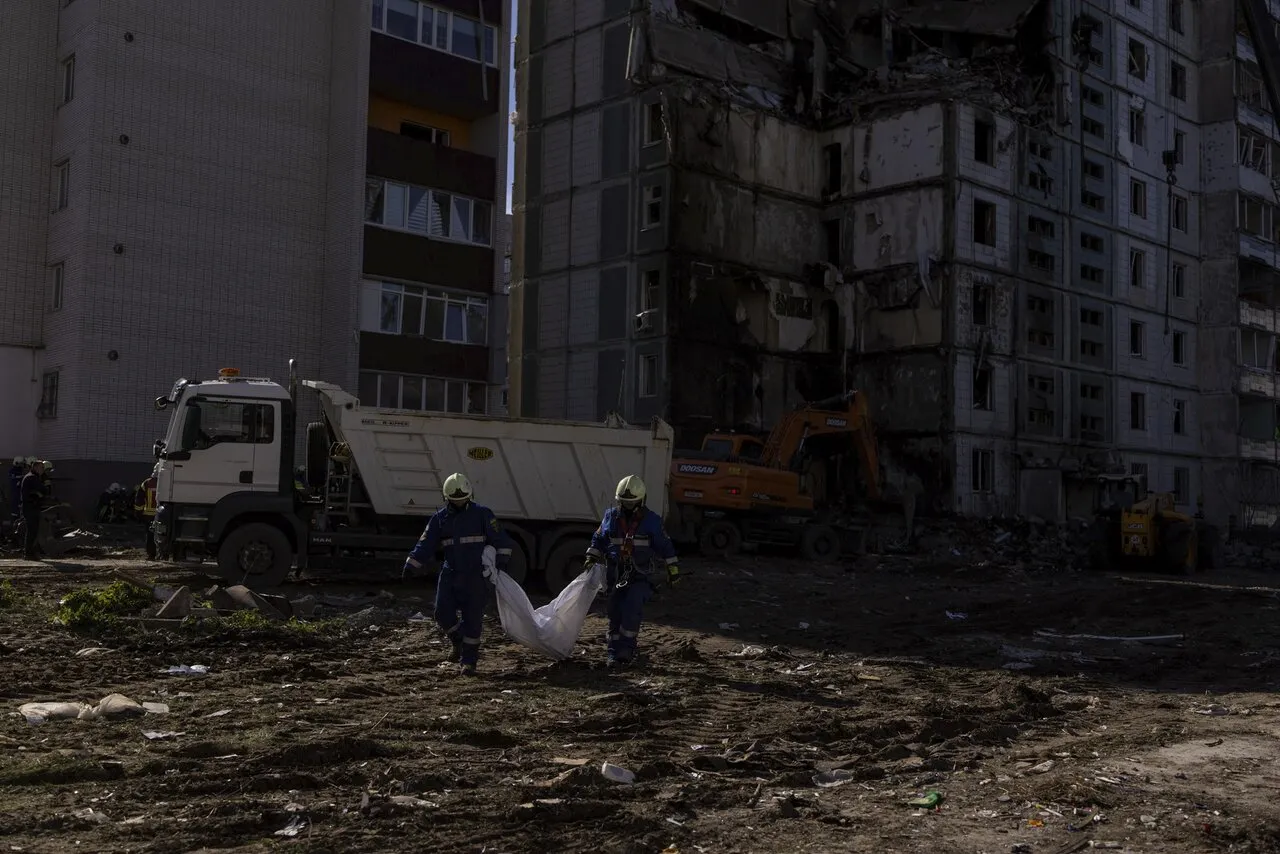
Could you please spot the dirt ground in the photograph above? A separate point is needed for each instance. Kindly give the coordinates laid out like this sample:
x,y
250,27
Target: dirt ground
x,y
781,708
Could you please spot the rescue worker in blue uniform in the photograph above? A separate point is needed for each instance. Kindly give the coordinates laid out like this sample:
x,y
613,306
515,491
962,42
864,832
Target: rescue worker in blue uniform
x,y
461,529
633,544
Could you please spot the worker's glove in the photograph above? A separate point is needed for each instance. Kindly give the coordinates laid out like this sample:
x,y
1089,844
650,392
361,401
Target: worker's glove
x,y
488,560
673,574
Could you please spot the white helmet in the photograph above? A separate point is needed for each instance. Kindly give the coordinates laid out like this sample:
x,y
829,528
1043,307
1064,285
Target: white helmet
x,y
630,492
19,461
115,487
457,489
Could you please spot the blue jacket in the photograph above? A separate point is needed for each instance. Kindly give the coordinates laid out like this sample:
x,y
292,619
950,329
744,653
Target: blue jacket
x,y
650,545
33,489
462,536
16,473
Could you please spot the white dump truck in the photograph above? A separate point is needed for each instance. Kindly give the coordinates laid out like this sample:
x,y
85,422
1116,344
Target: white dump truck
x,y
228,486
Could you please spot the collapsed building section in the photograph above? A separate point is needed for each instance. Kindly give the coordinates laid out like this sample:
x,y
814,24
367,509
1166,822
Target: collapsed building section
x,y
761,204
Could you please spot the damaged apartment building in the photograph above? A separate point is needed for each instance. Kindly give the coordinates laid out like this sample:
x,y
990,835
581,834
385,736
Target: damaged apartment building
x,y
1013,225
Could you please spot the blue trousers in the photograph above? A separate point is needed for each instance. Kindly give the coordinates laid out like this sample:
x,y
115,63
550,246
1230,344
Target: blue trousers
x,y
625,611
460,599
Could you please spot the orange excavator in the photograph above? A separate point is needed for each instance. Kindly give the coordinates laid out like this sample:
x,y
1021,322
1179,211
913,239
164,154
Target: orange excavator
x,y
787,489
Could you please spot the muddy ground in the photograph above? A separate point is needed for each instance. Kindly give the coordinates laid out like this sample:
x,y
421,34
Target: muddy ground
x,y
781,708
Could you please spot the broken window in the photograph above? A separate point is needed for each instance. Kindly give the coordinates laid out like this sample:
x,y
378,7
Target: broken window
x,y
1179,281
1039,417
651,290
1138,127
1040,384
1253,216
1090,273
1179,348
1091,242
1179,212
1175,16
1249,86
1093,96
1090,317
1089,391
1091,349
1180,417
1137,411
983,475
1040,338
1038,180
1136,4
984,142
1093,169
1092,127
1036,148
831,235
1041,260
1137,59
1137,269
980,305
832,178
1040,227
1091,427
1179,147
1178,81
1181,485
1137,338
982,388
647,382
1092,200
1138,198
1039,305
1138,469
653,205
654,124
1252,150
984,222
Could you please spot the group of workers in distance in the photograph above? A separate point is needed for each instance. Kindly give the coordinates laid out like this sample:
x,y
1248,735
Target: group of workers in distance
x,y
29,486
631,543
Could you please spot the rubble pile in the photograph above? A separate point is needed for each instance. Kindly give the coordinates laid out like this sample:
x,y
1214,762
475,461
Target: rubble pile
x,y
1031,544
1246,555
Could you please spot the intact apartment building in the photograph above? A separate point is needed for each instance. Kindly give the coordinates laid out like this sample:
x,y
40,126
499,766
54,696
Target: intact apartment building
x,y
187,188
1037,234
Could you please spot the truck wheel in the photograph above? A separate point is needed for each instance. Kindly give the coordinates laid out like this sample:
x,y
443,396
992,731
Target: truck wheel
x,y
565,564
256,555
720,539
819,543
317,454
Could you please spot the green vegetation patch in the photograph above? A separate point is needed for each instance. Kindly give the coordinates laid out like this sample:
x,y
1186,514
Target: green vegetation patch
x,y
8,596
243,625
97,610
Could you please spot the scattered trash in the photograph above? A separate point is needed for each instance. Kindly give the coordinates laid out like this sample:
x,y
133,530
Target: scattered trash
x,y
1045,633
1020,848
957,615
1035,822
930,801
1147,820
112,705
296,825
91,650
161,736
411,801
1043,768
804,625
617,774
187,670
831,779
219,713
748,652
1214,709
419,617
90,814
576,763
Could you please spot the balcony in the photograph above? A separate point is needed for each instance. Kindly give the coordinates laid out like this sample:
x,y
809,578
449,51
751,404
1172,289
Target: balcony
x,y
1257,381
409,354
1258,316
1259,449
432,79
403,158
413,257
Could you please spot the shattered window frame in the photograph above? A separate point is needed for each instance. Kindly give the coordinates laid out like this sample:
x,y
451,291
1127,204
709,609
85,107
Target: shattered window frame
x,y
1093,201
653,201
1091,349
647,381
1177,80
1040,182
1175,17
1038,148
1179,281
1090,273
1093,96
1040,416
1138,59
1248,84
1091,242
1090,391
1253,216
1179,213
983,381
1253,150
1137,411
1179,147
1091,424
1093,127
650,289
1090,317
1178,348
1137,269
1138,127
1137,339
982,472
1041,227
984,222
654,125
1093,169
984,131
1042,260
1179,417
1138,198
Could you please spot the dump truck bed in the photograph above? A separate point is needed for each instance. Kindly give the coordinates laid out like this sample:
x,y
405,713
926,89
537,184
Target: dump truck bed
x,y
522,469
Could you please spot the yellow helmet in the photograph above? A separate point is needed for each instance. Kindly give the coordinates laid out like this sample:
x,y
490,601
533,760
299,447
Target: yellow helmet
x,y
457,489
630,492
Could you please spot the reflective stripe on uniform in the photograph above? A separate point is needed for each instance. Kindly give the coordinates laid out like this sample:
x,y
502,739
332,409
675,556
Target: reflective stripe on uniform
x,y
413,562
466,541
448,541
627,634
672,561
472,641
613,636
506,552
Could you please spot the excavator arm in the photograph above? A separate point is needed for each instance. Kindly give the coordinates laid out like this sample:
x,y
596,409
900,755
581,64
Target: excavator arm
x,y
845,415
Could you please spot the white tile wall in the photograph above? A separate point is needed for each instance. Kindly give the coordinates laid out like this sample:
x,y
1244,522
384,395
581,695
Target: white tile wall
x,y
557,155
585,226
555,234
586,148
587,67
